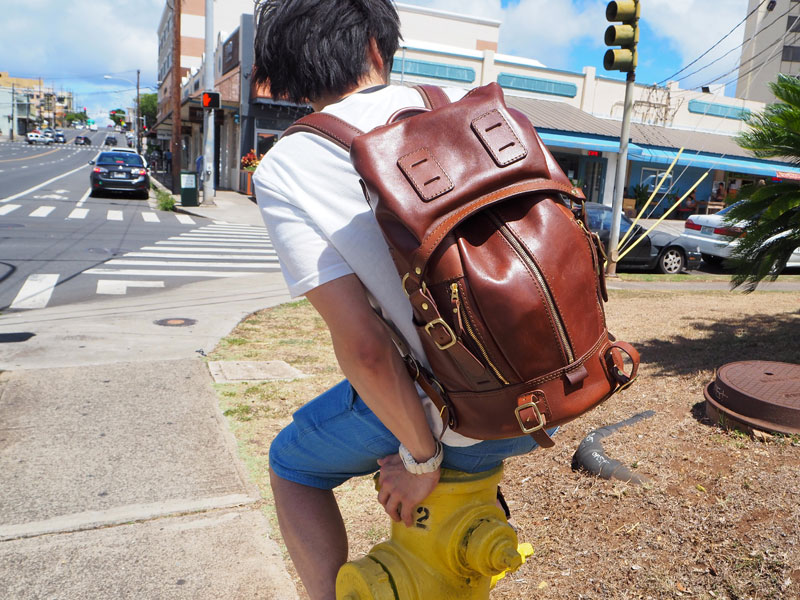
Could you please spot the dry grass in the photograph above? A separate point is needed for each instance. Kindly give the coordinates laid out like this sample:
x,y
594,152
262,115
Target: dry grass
x,y
720,518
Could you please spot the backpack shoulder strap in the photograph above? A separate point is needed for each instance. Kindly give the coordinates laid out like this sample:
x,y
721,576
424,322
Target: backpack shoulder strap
x,y
433,96
336,130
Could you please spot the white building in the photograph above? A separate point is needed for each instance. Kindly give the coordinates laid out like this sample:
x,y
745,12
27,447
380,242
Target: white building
x,y
772,46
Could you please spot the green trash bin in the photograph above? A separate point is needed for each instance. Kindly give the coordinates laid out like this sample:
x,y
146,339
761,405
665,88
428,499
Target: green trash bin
x,y
189,188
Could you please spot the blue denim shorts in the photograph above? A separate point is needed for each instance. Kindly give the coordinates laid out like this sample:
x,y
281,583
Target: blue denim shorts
x,y
336,437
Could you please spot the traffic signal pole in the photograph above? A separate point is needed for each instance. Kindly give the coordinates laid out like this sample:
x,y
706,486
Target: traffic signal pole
x,y
208,115
619,177
625,35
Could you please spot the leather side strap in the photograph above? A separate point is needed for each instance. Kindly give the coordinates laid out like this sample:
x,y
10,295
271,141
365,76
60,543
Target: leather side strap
x,y
433,96
617,366
332,128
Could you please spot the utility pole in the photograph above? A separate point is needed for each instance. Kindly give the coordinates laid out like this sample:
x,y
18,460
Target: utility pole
x,y
208,115
176,96
624,59
13,118
136,126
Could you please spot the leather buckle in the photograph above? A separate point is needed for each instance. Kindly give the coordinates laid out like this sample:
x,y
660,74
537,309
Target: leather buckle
x,y
536,410
440,321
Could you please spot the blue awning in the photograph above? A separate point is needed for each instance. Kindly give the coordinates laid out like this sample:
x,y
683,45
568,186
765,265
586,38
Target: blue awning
x,y
575,140
709,161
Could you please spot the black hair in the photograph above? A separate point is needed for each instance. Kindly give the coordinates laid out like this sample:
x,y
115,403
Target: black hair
x,y
306,49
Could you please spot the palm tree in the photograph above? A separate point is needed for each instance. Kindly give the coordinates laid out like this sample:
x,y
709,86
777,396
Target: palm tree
x,y
771,210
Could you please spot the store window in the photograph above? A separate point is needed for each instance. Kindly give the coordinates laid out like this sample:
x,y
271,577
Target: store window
x,y
264,141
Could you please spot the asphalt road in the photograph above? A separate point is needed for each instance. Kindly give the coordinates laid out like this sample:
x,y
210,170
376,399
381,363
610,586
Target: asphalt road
x,y
59,245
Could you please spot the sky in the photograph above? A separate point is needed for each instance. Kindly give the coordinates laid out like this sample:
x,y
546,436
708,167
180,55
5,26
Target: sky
x,y
80,41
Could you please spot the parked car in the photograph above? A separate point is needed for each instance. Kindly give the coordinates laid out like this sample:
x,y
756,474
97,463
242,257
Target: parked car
x,y
110,141
659,251
59,138
716,239
83,140
38,138
129,150
119,172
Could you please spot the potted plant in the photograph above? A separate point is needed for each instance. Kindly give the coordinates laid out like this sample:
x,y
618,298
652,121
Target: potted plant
x,y
249,163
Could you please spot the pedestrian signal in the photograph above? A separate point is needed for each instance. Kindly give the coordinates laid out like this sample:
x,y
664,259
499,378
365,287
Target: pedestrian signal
x,y
210,100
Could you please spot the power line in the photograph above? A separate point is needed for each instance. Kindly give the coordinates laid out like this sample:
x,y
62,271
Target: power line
x,y
722,39
752,37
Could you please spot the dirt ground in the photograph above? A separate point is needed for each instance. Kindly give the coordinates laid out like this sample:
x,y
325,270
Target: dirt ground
x,y
720,516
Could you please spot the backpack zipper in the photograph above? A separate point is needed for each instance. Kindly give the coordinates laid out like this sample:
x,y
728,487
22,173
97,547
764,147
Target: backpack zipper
x,y
534,269
454,298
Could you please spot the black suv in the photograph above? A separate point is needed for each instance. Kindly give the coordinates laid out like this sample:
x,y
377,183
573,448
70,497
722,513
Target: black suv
x,y
110,141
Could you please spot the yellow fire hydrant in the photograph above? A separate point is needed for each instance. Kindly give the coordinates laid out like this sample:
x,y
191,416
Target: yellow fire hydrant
x,y
459,542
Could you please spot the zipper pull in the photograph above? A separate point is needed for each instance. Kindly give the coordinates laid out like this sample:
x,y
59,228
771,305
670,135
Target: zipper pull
x,y
457,325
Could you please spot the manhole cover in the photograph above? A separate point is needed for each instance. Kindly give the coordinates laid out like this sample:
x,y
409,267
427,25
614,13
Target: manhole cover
x,y
175,322
760,394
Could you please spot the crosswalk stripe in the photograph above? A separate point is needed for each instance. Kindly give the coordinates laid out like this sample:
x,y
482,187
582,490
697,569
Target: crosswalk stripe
x,y
204,249
114,215
36,291
220,238
8,208
120,287
78,213
185,219
198,255
207,243
150,217
243,232
42,211
181,263
169,273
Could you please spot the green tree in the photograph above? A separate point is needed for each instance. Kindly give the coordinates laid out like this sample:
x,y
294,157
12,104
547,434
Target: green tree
x,y
72,117
148,108
771,211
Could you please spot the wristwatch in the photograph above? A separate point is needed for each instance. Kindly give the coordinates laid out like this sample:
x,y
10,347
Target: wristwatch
x,y
429,466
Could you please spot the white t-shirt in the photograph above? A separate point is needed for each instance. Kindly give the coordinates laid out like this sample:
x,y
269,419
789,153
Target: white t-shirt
x,y
321,225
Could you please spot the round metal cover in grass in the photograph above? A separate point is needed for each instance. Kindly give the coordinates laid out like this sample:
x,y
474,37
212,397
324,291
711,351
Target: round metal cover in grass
x,y
760,394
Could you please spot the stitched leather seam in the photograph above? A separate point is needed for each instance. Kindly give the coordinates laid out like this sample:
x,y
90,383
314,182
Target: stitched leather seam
x,y
541,297
434,238
416,183
512,159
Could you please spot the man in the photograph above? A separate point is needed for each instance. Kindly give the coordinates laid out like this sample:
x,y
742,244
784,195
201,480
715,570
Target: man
x,y
337,55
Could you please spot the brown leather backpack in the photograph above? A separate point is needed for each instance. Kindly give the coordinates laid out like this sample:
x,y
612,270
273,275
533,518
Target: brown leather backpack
x,y
490,239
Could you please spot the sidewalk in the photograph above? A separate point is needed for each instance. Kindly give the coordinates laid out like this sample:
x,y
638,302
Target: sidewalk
x,y
228,206
120,477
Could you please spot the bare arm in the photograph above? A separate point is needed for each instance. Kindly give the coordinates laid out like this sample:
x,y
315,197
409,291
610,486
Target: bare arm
x,y
373,366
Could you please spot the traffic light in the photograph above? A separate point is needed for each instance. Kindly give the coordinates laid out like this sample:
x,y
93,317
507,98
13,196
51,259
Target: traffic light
x,y
625,35
210,100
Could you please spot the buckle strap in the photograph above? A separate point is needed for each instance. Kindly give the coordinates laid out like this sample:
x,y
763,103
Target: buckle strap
x,y
532,417
616,363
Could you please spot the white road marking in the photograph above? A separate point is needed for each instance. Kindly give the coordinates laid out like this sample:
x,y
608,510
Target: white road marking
x,y
41,185
185,219
119,287
114,215
42,211
204,249
207,243
78,213
36,291
219,238
50,197
84,197
181,263
243,233
169,273
206,256
4,210
150,217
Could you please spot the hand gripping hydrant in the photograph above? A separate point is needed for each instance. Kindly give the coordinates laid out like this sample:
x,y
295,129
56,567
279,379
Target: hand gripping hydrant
x,y
459,546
